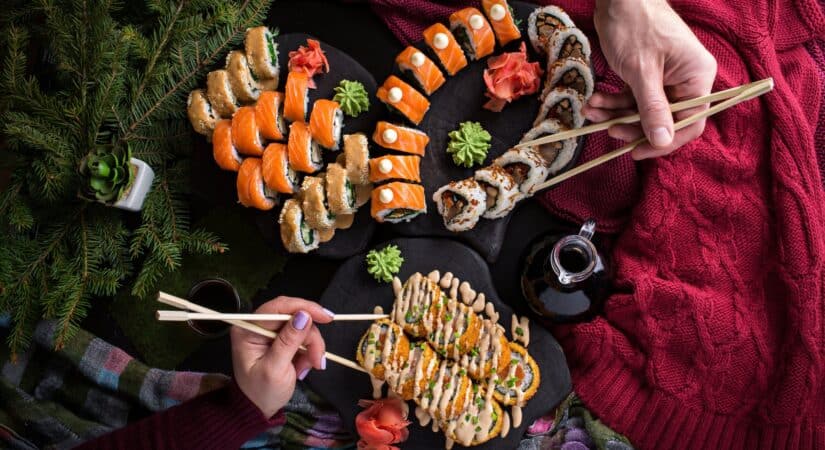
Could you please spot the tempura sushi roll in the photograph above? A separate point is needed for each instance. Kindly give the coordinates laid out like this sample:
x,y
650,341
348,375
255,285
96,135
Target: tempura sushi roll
x,y
502,21
245,133
473,33
219,92
563,104
395,167
411,381
421,69
314,203
296,234
252,191
446,49
262,53
461,204
541,24
341,195
413,305
356,158
223,150
403,139
200,112
571,73
269,112
304,153
502,191
325,123
404,99
491,355
240,77
296,97
568,42
522,379
557,155
278,175
398,202
481,422
448,393
453,329
382,348
526,166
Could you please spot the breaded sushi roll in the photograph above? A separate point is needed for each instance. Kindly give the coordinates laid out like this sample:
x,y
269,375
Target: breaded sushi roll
x,y
326,123
557,155
262,53
398,202
400,138
278,175
446,49
526,166
356,158
395,167
269,112
223,150
296,234
252,191
382,348
240,77
404,99
563,104
571,73
491,355
296,97
502,21
419,68
201,115
413,305
448,393
568,42
314,203
245,133
541,24
461,204
522,379
453,328
411,381
473,33
304,153
340,191
219,92
481,421
502,191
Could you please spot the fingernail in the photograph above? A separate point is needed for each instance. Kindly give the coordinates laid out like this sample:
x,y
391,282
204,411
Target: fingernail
x,y
660,137
303,374
300,320
329,313
323,363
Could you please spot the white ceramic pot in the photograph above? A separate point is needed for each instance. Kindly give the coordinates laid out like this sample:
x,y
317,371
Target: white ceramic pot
x,y
133,201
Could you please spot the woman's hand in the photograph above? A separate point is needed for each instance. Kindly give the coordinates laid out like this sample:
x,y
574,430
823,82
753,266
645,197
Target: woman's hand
x,y
649,46
266,370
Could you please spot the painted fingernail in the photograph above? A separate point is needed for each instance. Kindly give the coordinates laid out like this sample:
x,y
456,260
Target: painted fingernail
x,y
323,363
303,374
299,321
660,137
329,313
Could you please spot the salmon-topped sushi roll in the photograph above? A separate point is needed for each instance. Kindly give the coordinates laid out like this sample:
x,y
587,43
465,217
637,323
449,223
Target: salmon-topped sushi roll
x,y
383,348
304,153
403,139
445,47
415,64
325,123
398,202
252,192
270,115
394,167
403,98
473,33
278,175
296,97
245,132
502,21
224,151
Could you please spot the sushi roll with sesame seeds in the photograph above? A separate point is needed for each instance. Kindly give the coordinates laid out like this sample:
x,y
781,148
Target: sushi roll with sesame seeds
x,y
262,53
557,155
526,166
314,203
568,42
461,204
296,234
563,104
571,73
201,115
340,191
502,191
541,24
220,95
240,77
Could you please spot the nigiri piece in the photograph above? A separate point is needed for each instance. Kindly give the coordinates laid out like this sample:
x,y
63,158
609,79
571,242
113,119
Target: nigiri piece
x,y
296,97
421,69
473,33
304,153
501,18
245,132
278,175
397,202
445,47
402,97
403,139
325,123
270,115
394,167
224,151
252,192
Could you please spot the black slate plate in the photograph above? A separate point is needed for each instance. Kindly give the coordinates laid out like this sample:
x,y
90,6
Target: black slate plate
x,y
353,290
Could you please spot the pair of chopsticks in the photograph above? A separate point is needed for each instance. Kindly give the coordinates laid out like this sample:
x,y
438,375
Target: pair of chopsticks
x,y
198,312
727,98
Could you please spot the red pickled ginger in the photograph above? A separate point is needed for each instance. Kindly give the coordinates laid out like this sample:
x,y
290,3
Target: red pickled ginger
x,y
510,76
309,59
382,424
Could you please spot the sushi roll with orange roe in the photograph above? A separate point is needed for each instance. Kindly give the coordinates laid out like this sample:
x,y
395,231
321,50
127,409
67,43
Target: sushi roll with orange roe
x,y
473,33
502,21
223,150
404,99
245,133
415,64
444,46
252,191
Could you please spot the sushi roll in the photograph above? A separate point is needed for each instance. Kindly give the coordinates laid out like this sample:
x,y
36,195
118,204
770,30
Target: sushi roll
x,y
568,42
278,175
448,393
262,53
296,234
382,348
412,380
491,355
446,49
502,191
240,77
398,202
200,112
304,153
252,192
413,305
571,73
454,328
219,92
394,167
541,24
325,123
563,104
269,112
356,158
403,98
525,166
403,139
502,21
296,97
314,203
422,70
340,191
223,149
482,421
245,133
461,204
557,155
473,33
522,379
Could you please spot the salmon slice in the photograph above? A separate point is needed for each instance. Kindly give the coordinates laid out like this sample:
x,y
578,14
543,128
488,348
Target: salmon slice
x,y
223,150
473,33
245,134
276,171
422,69
303,153
501,18
269,115
325,123
295,97
444,45
403,98
393,167
403,139
397,197
250,185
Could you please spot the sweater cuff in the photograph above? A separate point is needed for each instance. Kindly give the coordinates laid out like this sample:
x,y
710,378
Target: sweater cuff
x,y
238,414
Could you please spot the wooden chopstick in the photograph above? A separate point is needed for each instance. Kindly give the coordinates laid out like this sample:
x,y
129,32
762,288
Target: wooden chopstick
x,y
178,302
182,316
633,118
754,90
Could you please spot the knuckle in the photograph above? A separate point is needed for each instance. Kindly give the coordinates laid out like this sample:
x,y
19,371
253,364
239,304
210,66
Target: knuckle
x,y
289,337
655,105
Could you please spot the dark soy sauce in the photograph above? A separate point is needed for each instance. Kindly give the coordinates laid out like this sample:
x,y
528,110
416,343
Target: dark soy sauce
x,y
573,258
217,295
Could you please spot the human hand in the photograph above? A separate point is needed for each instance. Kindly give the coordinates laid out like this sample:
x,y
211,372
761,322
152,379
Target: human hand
x,y
649,46
266,370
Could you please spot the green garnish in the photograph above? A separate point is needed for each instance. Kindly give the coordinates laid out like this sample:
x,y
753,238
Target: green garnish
x,y
513,362
512,382
474,351
352,97
462,372
475,388
385,263
351,194
494,416
469,144
478,429
519,331
516,20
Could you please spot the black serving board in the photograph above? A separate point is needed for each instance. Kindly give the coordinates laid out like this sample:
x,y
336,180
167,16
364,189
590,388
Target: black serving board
x,y
353,290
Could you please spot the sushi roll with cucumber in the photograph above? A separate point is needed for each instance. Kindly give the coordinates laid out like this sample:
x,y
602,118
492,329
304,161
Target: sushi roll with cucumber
x,y
262,53
304,153
502,20
568,42
252,191
541,24
382,348
296,234
563,104
269,112
356,158
201,115
245,132
341,195
326,123
526,166
398,202
223,149
220,95
402,98
419,68
314,203
557,155
473,33
296,97
278,175
571,73
522,379
461,204
502,191
240,77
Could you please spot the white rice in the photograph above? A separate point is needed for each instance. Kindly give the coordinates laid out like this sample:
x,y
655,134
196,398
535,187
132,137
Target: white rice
x,y
555,96
558,39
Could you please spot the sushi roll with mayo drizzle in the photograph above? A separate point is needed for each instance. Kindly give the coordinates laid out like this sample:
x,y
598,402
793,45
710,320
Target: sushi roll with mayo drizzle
x,y
341,194
314,203
413,304
383,347
522,379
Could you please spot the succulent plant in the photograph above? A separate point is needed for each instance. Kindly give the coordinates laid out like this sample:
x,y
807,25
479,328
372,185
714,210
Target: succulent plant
x,y
108,173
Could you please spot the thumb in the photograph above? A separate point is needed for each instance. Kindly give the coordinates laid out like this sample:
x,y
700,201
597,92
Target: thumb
x,y
289,340
654,108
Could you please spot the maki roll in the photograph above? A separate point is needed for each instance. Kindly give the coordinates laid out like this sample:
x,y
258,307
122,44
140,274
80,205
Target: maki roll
x,y
502,191
571,73
420,69
325,123
525,166
522,379
383,348
340,191
563,104
296,234
541,24
240,77
448,393
269,112
403,98
557,155
398,202
252,192
403,139
278,175
262,53
491,355
296,97
219,92
314,203
502,21
445,48
200,112
412,380
568,42
473,33
304,153
481,421
461,204
245,132
356,158
412,307
223,149
393,167
453,328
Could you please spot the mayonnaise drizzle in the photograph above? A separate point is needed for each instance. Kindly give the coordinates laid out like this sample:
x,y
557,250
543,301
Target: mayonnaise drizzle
x,y
520,329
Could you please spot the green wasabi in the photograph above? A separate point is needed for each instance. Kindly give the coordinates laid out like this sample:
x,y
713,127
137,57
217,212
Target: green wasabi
x,y
352,97
469,144
385,263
